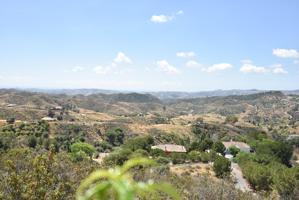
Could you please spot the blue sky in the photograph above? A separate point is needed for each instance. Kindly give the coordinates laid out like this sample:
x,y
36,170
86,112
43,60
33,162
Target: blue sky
x,y
186,45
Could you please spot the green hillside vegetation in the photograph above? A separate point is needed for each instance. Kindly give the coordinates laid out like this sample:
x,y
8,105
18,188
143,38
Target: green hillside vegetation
x,y
49,160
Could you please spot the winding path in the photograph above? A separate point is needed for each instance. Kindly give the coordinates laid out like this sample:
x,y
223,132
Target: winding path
x,y
241,182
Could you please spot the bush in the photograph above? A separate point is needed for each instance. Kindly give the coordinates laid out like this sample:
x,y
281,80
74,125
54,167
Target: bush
x,y
178,158
116,137
79,156
139,153
285,182
85,147
32,142
259,176
140,142
163,160
219,147
194,156
222,166
157,153
104,146
202,145
117,157
234,151
275,149
205,157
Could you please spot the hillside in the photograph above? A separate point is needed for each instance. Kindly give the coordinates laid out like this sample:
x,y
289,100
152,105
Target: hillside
x,y
273,112
125,125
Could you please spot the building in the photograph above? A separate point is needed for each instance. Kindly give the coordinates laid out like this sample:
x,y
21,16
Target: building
x,y
170,148
58,108
240,145
49,119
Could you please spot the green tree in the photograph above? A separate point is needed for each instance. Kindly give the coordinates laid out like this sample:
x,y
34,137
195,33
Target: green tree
x,y
178,158
140,142
219,147
117,157
157,153
80,147
194,156
285,182
32,142
116,137
234,150
202,145
222,166
275,149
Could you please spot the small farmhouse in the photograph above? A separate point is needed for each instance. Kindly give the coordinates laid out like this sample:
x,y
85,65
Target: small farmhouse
x,y
49,119
240,145
57,108
170,148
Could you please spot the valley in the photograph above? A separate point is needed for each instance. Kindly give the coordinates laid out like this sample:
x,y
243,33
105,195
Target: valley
x,y
103,130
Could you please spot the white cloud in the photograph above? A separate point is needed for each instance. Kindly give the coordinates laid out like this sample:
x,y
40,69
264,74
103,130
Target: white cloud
x,y
278,69
164,66
165,18
249,68
185,54
122,58
193,64
286,53
217,67
102,70
161,18
77,69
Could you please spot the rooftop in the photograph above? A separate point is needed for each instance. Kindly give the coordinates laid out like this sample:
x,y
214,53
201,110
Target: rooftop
x,y
241,145
170,148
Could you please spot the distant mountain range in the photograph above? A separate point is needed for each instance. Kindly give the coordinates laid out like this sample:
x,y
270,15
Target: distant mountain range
x,y
163,95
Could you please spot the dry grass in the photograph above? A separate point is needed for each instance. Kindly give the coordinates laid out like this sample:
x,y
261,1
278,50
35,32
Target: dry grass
x,y
89,115
195,169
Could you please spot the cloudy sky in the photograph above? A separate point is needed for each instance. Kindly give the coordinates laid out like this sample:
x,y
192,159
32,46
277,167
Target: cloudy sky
x,y
185,45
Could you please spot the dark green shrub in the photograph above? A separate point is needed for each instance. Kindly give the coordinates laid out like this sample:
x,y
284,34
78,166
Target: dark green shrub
x,y
32,141
157,153
194,156
178,158
140,142
85,147
219,147
163,160
117,157
222,166
234,151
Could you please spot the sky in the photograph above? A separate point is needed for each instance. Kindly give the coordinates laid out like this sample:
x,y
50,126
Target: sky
x,y
150,45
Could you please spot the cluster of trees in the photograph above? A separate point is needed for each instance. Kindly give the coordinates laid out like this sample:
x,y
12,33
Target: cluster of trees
x,y
29,174
140,146
269,168
35,165
30,135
